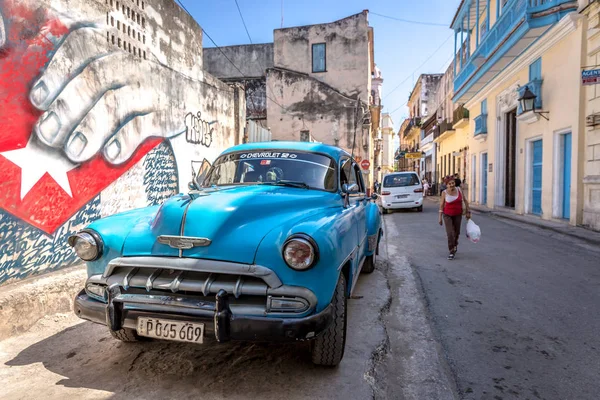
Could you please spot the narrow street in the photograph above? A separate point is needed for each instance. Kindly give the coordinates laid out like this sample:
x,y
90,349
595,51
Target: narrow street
x,y
516,313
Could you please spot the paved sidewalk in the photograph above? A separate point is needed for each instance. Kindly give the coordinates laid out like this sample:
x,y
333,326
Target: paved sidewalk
x,y
578,232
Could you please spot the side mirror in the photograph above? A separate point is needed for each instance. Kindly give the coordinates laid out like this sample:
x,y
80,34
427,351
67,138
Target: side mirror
x,y
374,196
192,186
350,188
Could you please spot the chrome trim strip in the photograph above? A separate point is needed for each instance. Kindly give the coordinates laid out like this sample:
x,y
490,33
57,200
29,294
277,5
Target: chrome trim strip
x,y
128,277
174,286
151,278
182,227
350,256
206,287
195,264
238,285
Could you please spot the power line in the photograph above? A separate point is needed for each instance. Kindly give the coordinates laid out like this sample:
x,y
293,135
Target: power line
x,y
408,21
444,66
243,22
422,64
225,55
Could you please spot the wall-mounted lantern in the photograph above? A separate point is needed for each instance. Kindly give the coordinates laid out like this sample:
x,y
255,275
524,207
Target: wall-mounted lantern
x,y
527,101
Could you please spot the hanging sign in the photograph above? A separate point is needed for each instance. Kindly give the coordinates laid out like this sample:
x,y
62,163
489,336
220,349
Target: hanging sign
x,y
590,77
414,155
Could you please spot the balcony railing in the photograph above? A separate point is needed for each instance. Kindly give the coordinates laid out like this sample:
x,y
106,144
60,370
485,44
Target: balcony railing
x,y
517,18
414,122
536,88
481,124
459,114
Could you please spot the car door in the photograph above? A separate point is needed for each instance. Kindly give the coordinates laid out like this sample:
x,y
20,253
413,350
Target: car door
x,y
350,213
361,213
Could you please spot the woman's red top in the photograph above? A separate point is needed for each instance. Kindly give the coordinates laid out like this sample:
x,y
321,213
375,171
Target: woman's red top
x,y
453,208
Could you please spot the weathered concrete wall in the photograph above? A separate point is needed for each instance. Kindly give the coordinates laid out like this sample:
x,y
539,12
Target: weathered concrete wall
x,y
103,108
251,60
302,103
348,66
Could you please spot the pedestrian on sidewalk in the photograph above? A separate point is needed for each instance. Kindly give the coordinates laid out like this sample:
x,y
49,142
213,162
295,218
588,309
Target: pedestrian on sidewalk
x,y
451,212
425,188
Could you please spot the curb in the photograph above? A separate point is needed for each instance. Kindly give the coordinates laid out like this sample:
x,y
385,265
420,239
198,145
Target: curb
x,y
23,303
561,230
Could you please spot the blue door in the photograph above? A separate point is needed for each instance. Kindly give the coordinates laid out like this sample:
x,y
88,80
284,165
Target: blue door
x,y
484,174
566,211
536,187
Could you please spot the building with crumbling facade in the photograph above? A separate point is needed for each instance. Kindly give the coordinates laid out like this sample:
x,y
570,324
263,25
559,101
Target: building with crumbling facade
x,y
320,84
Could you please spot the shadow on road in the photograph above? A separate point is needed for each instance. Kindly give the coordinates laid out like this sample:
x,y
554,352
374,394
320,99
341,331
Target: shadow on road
x,y
88,357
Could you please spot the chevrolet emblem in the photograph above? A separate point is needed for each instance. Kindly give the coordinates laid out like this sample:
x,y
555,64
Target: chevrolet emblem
x,y
183,242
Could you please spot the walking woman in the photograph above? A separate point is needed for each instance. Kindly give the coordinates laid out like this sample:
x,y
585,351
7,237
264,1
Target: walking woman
x,y
451,211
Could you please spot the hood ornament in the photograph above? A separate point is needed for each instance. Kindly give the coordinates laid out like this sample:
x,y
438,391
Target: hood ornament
x,y
183,242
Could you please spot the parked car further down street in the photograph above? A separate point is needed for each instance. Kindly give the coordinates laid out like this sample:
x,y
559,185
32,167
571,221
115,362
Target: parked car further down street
x,y
267,246
401,190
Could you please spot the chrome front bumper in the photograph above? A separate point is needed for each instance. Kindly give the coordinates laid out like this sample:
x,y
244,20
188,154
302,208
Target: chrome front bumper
x,y
217,318
234,301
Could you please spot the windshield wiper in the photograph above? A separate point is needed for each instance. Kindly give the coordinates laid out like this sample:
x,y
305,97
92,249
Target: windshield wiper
x,y
283,182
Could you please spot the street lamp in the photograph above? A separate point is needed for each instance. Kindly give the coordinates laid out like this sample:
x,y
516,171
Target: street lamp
x,y
527,101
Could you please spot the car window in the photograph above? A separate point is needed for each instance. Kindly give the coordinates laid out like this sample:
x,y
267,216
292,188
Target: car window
x,y
400,180
316,170
358,178
347,174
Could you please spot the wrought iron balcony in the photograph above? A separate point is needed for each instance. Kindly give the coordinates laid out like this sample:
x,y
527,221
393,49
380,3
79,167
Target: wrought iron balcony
x,y
536,88
481,124
520,23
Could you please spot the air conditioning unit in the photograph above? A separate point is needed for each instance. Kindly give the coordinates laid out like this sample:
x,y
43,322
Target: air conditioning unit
x,y
592,119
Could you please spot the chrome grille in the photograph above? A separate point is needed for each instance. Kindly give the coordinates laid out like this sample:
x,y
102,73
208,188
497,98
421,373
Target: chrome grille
x,y
177,281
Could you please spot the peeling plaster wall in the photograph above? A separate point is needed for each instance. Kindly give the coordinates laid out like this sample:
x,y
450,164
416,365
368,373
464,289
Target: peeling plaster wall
x,y
347,53
310,105
103,108
253,60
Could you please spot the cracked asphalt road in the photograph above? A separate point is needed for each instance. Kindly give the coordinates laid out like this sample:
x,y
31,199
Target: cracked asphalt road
x,y
516,314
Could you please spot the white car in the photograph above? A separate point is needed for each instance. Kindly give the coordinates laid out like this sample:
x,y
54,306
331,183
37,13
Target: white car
x,y
401,190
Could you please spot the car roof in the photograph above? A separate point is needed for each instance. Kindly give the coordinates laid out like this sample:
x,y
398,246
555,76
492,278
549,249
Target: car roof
x,y
313,147
401,173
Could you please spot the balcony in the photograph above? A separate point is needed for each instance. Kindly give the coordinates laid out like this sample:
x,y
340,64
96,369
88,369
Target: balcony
x,y
481,126
520,23
413,123
461,117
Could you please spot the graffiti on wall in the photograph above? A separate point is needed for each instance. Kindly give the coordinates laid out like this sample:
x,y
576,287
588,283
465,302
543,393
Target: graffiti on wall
x,y
199,131
79,113
160,174
24,250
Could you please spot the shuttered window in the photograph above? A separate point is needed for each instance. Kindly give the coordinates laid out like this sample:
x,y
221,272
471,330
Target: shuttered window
x,y
318,57
535,70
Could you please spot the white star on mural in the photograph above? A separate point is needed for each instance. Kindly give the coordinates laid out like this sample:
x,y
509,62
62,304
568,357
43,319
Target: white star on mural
x,y
35,160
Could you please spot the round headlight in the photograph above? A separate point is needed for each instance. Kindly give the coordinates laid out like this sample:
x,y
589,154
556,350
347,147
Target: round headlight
x,y
86,246
299,253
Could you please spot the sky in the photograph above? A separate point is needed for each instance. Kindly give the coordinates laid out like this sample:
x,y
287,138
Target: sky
x,y
403,50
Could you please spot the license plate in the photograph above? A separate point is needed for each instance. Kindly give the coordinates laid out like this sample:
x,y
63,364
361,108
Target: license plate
x,y
170,330
402,196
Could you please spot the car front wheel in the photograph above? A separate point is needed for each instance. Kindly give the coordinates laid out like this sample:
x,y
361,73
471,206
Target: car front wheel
x,y
328,347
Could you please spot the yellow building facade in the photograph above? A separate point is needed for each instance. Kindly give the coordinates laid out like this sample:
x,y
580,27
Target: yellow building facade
x,y
525,159
591,161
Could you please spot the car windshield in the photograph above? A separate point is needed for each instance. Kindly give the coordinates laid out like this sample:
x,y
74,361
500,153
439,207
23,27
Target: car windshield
x,y
400,180
291,168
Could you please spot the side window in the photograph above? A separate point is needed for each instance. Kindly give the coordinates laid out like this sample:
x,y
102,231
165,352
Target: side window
x,y
358,178
346,174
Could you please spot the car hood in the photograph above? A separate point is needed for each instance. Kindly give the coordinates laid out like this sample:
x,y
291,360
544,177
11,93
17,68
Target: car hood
x,y
234,219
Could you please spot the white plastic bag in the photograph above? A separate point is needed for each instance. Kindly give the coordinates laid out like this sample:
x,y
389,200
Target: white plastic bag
x,y
473,231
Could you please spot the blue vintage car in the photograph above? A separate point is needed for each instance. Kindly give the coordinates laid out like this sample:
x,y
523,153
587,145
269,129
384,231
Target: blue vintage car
x,y
267,246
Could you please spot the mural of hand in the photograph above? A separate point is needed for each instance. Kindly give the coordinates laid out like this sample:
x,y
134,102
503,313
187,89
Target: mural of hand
x,y
98,98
